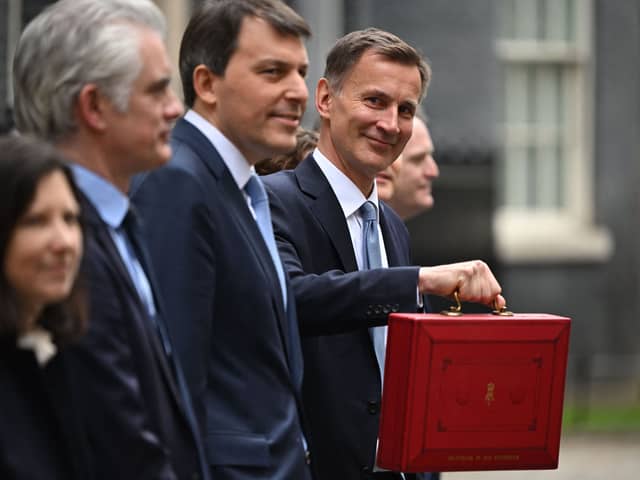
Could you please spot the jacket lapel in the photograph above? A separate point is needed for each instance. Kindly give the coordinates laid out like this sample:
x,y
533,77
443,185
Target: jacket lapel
x,y
102,237
241,216
391,239
324,205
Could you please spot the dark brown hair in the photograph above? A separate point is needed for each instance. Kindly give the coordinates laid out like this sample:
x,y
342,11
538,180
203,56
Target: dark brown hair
x,y
211,36
349,49
24,162
306,141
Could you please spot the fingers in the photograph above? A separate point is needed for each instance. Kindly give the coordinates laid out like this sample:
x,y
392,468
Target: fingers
x,y
473,281
499,302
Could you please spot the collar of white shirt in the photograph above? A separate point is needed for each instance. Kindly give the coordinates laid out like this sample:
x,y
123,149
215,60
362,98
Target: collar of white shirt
x,y
348,194
235,161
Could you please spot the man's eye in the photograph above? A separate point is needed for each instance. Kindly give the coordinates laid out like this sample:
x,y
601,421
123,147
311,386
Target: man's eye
x,y
406,110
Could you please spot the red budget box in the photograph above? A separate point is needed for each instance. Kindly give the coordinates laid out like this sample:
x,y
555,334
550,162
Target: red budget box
x,y
475,392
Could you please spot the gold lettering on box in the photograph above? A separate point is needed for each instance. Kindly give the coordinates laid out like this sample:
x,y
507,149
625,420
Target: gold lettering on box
x,y
506,457
489,396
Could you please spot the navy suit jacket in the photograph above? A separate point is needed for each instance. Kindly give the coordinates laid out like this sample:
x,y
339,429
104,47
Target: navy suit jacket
x,y
239,347
40,431
137,420
336,305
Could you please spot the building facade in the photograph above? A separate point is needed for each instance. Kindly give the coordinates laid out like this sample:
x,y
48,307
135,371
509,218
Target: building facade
x,y
534,110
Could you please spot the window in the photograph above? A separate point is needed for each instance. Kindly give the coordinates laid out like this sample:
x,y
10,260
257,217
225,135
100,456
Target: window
x,y
545,187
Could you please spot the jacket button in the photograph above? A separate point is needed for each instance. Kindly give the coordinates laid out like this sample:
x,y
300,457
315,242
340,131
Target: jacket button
x,y
386,310
365,473
372,407
195,476
307,457
377,310
394,308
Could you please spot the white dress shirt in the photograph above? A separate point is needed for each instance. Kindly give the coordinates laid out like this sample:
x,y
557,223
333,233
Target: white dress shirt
x,y
235,161
351,199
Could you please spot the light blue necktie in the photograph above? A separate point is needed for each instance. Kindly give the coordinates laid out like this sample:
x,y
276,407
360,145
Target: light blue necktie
x,y
372,258
260,205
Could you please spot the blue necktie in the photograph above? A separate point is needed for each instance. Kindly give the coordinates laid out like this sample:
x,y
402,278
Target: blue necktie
x,y
131,227
260,205
372,258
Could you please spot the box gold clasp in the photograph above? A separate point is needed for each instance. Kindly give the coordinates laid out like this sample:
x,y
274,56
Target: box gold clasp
x,y
454,310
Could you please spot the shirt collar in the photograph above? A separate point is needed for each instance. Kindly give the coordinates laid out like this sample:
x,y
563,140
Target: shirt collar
x,y
112,205
239,167
348,194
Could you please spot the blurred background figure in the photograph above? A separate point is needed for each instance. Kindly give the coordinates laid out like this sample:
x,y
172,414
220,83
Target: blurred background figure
x,y
306,141
415,170
112,117
386,180
41,311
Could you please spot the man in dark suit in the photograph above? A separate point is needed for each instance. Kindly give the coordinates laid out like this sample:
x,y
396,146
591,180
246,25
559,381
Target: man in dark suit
x,y
93,77
347,253
242,65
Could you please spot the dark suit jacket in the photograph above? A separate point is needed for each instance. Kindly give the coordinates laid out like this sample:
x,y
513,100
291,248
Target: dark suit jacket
x,y
239,348
137,423
40,432
336,304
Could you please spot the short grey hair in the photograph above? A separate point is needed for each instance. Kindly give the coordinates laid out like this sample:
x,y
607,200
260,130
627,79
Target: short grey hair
x,y
73,43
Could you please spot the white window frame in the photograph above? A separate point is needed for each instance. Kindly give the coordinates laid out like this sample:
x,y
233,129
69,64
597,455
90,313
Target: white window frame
x,y
568,234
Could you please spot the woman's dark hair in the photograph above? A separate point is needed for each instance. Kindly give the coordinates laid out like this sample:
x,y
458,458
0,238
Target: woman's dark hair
x,y
24,162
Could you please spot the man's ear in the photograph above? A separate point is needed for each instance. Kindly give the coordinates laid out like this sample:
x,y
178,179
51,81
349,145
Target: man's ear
x,y
324,97
205,84
91,107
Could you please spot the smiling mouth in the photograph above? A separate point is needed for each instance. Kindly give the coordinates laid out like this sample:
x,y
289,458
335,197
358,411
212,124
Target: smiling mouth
x,y
292,117
379,142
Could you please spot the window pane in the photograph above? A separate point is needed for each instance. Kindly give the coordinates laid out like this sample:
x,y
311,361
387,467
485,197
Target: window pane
x,y
516,95
557,21
515,177
543,20
525,19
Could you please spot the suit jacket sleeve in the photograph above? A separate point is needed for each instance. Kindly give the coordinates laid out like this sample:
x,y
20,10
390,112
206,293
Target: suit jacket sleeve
x,y
331,299
186,276
111,398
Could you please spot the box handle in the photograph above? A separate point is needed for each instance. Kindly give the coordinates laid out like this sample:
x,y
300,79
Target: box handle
x,y
456,310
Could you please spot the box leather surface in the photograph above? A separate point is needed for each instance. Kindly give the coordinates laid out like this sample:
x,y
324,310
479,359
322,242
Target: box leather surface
x,y
476,392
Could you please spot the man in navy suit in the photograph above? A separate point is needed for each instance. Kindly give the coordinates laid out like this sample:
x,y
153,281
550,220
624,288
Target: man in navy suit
x,y
233,320
371,89
92,76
